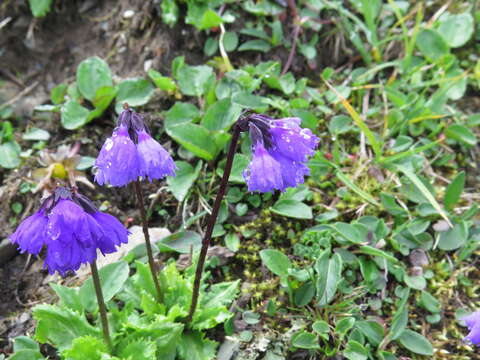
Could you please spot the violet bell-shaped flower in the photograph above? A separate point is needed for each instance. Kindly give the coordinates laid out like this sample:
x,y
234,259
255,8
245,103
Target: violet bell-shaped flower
x,y
473,324
71,229
280,150
131,153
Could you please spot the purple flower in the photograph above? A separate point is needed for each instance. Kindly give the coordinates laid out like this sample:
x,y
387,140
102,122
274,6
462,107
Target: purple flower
x,y
280,150
155,161
71,229
118,162
131,153
473,324
264,172
30,234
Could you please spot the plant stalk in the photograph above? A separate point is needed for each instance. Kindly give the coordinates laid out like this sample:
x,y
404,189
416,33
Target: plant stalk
x,y
151,261
101,304
211,221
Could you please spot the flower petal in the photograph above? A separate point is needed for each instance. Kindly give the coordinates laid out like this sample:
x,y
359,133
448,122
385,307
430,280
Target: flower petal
x,y
155,161
117,162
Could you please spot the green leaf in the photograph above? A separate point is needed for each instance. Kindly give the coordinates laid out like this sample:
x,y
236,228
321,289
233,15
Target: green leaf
x,y
196,139
400,319
36,134
417,282
454,190
431,44
305,340
9,155
429,302
355,351
342,177
372,330
210,19
248,100
134,92
193,79
169,12
208,318
69,297
221,294
230,41
193,346
284,83
292,208
141,349
162,82
221,115
255,45
163,332
74,115
86,347
60,326
240,163
357,119
40,8
112,278
26,354
453,238
329,276
320,327
103,98
180,242
24,343
232,242
57,94
344,325
424,190
184,178
457,29
349,232
416,343
92,74
276,261
377,252
304,294
461,134
180,113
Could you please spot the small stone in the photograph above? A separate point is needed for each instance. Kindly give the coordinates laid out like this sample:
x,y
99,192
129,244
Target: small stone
x,y
128,14
147,65
441,225
418,257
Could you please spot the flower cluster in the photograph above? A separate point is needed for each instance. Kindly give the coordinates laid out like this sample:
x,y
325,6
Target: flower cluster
x,y
280,150
71,229
132,153
473,324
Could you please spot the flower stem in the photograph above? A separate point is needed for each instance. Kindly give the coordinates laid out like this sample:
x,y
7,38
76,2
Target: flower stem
x,y
151,261
211,221
101,304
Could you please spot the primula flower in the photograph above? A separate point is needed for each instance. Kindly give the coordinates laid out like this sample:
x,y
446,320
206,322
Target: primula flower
x,y
131,153
473,324
155,161
71,229
280,150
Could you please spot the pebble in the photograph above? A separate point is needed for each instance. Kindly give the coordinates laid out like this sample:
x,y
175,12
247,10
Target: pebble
x,y
128,14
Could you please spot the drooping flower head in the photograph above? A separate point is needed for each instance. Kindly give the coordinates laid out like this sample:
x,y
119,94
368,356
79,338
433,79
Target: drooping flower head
x,y
473,324
72,229
280,150
131,153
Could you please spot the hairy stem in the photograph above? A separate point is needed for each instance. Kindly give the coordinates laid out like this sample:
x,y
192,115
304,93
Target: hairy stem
x,y
151,261
101,304
211,222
